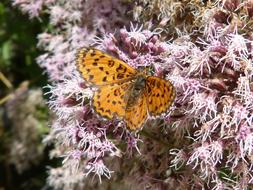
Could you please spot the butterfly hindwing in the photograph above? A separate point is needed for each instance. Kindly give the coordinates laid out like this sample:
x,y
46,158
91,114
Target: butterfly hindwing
x,y
109,100
160,95
136,115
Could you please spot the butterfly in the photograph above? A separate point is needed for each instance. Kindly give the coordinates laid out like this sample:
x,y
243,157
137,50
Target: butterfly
x,y
123,91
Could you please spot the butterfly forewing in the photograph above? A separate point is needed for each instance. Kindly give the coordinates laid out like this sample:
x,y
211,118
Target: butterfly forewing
x,y
99,68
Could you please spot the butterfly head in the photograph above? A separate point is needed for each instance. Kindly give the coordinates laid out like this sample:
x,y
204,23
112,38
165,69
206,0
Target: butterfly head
x,y
140,82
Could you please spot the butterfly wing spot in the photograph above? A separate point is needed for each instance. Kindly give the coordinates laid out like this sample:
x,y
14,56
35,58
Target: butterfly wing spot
x,y
108,111
120,76
91,77
116,92
158,84
92,53
121,69
149,89
111,63
95,64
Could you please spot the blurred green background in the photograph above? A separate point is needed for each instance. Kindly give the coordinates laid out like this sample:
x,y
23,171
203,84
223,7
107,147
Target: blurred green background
x,y
23,112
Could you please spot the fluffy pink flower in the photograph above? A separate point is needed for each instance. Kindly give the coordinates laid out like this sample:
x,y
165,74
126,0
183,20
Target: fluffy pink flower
x,y
209,129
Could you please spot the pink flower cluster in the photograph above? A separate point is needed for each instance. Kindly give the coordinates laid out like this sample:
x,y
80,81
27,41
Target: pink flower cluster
x,y
207,140
82,131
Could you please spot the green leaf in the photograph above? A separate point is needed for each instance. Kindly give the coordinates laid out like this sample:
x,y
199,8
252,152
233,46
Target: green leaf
x,y
7,49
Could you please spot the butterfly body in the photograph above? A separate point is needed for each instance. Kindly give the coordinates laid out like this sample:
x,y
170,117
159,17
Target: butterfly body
x,y
135,91
123,91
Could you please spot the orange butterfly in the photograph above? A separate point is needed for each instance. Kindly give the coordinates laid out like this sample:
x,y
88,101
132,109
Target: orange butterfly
x,y
122,90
